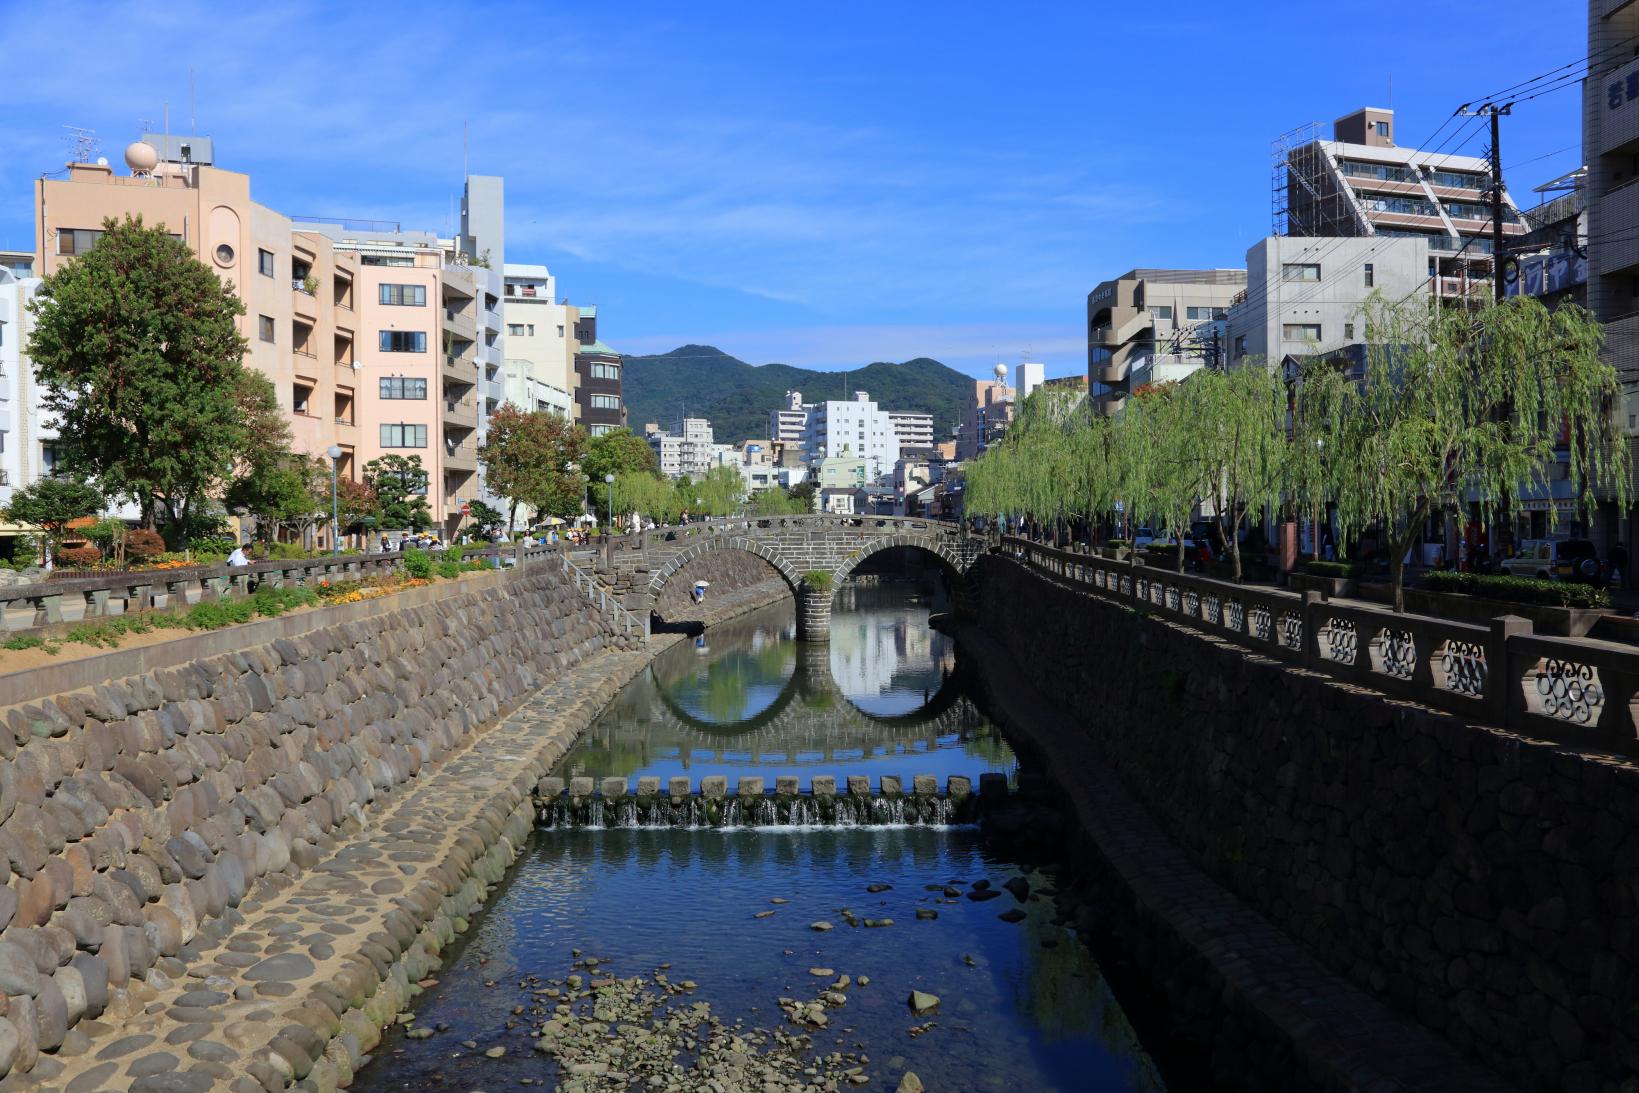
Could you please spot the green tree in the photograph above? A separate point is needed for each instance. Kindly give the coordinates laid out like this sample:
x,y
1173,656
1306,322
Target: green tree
x,y
51,504
619,451
486,518
721,490
1238,443
1160,461
358,505
400,485
774,502
803,493
527,458
288,493
138,354
1460,407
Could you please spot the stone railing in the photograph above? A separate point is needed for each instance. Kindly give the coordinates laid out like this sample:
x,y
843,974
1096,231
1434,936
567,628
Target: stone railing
x,y
1573,690
141,590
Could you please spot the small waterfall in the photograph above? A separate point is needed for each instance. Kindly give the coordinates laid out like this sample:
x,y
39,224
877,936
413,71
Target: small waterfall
x,y
595,812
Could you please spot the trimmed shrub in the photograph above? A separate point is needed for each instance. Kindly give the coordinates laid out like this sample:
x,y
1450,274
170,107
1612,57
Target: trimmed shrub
x,y
143,545
418,563
1510,589
1333,569
86,555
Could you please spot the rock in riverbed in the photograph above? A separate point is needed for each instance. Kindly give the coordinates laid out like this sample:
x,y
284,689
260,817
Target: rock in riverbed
x,y
921,1002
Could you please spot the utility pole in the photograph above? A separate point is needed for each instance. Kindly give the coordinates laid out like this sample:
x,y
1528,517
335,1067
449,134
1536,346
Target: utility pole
x,y
1498,247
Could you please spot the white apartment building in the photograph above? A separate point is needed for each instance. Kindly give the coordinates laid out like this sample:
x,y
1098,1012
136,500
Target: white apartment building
x,y
788,424
1029,376
1307,295
914,430
689,450
541,344
19,411
855,428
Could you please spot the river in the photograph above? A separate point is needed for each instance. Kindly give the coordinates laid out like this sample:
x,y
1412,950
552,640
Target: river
x,y
699,948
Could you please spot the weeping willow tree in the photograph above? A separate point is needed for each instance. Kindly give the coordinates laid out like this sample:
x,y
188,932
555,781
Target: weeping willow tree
x,y
1460,407
1157,468
1035,470
1237,444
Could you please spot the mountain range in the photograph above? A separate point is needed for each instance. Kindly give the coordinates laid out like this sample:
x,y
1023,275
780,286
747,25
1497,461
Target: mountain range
x,y
706,382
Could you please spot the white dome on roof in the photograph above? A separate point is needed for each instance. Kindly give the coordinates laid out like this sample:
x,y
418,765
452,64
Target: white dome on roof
x,y
1001,372
141,156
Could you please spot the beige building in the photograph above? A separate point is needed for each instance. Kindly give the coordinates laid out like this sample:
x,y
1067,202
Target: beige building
x,y
1148,313
540,341
299,293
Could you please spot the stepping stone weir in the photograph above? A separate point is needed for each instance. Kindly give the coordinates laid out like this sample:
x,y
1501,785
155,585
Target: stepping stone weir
x,y
584,802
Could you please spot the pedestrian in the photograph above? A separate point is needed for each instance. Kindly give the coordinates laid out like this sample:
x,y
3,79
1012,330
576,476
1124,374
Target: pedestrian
x,y
240,555
384,542
1619,564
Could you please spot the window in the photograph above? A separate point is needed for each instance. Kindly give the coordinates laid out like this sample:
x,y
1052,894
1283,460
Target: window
x,y
403,436
1462,180
1301,332
1348,330
1240,345
511,289
264,327
599,430
1382,128
401,387
560,330
601,371
403,341
264,262
404,295
1370,275
1383,172
386,260
514,330
1300,271
605,402
1162,311
1406,206
530,327
1199,314
50,459
77,240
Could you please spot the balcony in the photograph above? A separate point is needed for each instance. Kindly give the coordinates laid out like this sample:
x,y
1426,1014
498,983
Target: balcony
x,y
460,367
461,456
303,303
1114,372
461,324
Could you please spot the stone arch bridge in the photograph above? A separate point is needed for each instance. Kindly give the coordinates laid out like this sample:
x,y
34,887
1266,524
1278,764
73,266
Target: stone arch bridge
x,y
637,567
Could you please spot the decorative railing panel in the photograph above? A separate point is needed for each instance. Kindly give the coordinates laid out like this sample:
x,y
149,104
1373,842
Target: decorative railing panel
x,y
1576,690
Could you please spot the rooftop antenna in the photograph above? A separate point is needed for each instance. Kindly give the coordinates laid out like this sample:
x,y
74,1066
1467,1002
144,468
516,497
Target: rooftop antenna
x,y
84,142
465,172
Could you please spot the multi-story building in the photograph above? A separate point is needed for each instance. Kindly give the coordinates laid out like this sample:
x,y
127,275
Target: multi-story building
x,y
990,410
788,424
1146,312
855,428
1306,296
540,341
686,451
19,412
298,291
1027,377
913,430
1360,184
599,401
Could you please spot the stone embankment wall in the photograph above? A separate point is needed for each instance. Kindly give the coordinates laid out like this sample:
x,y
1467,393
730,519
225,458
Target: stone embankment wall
x,y
137,813
1483,884
726,570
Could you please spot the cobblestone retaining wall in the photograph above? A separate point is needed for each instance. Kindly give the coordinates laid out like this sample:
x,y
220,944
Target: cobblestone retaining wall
x,y
137,814
1484,884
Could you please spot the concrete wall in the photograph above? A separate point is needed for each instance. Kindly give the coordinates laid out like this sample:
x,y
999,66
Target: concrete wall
x,y
1485,885
138,810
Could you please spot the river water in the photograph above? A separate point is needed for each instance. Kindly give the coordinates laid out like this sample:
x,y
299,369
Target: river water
x,y
731,913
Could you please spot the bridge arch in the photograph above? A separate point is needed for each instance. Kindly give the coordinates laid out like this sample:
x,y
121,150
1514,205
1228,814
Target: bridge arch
x,y
710,544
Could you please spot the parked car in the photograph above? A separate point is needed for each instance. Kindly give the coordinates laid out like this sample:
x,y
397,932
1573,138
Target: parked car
x,y
1143,537
1556,560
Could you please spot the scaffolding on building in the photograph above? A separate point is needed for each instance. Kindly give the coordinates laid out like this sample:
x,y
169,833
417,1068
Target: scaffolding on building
x,y
1304,198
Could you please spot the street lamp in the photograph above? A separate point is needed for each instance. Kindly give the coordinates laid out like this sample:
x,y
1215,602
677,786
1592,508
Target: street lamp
x,y
334,452
609,537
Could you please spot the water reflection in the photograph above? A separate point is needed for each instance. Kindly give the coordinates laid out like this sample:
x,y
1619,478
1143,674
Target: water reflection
x,y
880,697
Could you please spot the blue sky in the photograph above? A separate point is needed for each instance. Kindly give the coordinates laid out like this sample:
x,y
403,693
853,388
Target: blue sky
x,y
823,185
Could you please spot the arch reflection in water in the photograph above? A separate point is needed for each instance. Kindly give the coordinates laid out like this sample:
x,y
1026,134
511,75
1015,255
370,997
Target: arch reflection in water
x,y
883,697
